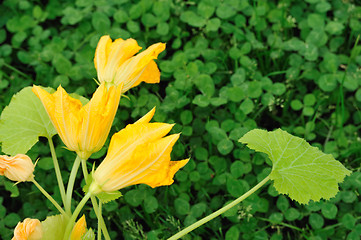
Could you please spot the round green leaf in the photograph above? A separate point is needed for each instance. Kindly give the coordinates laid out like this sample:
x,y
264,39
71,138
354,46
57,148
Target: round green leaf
x,y
182,206
292,214
235,187
134,197
237,169
247,106
327,82
198,209
348,221
278,89
225,11
150,204
329,210
120,16
11,220
316,221
282,203
225,146
296,104
233,233
276,217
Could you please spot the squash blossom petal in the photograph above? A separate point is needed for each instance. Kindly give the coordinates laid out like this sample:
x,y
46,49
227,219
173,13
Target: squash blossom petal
x,y
83,129
138,154
115,62
29,229
19,168
79,229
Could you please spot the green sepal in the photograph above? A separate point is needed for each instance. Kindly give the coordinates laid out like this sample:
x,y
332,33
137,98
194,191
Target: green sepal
x,y
104,197
89,235
299,170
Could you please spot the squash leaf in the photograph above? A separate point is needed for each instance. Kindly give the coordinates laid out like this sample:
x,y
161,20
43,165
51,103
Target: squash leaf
x,y
23,121
299,170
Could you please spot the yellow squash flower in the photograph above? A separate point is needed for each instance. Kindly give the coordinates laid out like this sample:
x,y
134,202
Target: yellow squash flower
x,y
83,129
29,229
138,154
19,168
79,229
115,63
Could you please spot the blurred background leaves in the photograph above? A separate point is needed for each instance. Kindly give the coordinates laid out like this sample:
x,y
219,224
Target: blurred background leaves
x,y
229,66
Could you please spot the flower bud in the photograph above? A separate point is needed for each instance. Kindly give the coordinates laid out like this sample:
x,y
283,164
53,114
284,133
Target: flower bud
x,y
29,229
19,168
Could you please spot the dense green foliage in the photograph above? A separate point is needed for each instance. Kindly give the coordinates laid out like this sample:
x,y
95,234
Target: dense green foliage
x,y
230,66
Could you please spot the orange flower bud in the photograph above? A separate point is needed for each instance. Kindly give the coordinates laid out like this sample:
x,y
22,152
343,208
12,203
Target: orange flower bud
x,y
19,168
79,229
29,229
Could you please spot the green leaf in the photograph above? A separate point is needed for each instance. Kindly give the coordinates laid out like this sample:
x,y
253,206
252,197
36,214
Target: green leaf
x,y
192,19
235,187
54,227
61,64
299,170
334,27
12,188
11,220
225,11
182,206
100,21
46,163
316,221
23,122
205,84
225,146
134,197
120,16
292,214
233,233
329,210
150,204
348,221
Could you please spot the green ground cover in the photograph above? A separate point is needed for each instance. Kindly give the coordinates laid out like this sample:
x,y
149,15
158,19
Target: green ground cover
x,y
230,66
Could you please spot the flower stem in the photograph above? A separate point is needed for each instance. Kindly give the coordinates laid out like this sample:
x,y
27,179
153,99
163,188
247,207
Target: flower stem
x,y
57,170
97,209
75,215
98,213
69,189
47,195
218,212
99,224
85,170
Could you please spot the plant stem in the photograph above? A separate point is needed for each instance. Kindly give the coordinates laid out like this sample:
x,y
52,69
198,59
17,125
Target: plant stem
x,y
47,195
16,70
282,224
97,209
98,213
69,189
218,212
85,170
99,224
75,215
57,170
